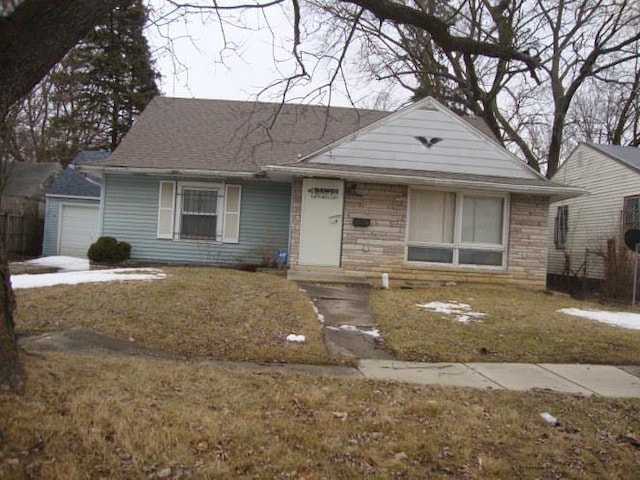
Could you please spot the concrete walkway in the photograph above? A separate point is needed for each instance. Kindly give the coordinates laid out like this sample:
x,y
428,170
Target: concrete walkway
x,y
348,327
348,304
587,380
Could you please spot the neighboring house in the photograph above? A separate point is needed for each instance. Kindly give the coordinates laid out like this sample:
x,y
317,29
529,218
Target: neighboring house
x,y
73,208
23,205
420,194
584,229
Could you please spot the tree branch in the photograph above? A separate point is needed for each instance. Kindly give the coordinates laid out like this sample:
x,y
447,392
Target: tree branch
x,y
439,31
36,35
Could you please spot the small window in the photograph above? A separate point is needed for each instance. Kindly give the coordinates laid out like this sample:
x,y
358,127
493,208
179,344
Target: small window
x,y
199,211
631,213
561,226
199,214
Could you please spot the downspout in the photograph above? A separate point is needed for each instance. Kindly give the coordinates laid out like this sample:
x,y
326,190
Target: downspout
x,y
291,200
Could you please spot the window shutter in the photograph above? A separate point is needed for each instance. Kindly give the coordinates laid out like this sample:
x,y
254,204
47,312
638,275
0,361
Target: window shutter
x,y
166,209
231,229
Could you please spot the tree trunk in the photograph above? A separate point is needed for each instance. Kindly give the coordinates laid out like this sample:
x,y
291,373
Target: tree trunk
x,y
33,38
11,373
36,36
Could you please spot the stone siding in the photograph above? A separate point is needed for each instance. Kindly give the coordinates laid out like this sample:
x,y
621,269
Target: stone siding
x,y
380,247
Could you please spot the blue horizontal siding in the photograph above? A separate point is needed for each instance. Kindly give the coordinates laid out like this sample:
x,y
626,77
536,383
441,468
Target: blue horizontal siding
x,y
130,212
51,221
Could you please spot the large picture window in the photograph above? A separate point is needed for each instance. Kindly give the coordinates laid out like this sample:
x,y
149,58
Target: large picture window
x,y
456,228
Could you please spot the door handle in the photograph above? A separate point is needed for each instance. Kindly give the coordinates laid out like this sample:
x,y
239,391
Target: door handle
x,y
334,218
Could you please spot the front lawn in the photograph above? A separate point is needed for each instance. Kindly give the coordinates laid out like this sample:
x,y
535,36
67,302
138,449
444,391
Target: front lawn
x,y
518,326
131,418
195,312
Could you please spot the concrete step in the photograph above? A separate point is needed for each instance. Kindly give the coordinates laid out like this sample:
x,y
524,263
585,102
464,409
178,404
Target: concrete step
x,y
326,277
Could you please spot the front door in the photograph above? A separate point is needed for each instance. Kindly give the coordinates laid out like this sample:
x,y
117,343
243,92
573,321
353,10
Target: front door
x,y
321,222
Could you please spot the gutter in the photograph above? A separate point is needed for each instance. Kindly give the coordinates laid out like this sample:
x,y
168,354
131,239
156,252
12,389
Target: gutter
x,y
74,197
165,171
556,193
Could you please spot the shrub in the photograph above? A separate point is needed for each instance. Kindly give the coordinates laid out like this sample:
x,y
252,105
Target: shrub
x,y
109,250
619,268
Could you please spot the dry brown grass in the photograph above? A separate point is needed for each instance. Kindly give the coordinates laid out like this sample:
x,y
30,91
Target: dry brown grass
x,y
520,326
196,312
133,418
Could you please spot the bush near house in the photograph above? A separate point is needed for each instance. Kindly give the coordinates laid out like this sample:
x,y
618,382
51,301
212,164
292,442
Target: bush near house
x,y
109,250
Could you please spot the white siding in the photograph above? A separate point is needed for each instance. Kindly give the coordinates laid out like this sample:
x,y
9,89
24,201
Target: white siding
x,y
593,218
392,144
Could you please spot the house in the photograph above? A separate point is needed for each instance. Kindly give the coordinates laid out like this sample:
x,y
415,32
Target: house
x,y
419,194
585,229
73,208
23,204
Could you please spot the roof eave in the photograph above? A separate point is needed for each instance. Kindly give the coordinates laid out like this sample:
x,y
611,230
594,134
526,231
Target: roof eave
x,y
556,193
166,171
74,197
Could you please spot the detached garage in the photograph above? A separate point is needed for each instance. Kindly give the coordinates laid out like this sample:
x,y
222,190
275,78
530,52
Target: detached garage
x,y
73,209
77,228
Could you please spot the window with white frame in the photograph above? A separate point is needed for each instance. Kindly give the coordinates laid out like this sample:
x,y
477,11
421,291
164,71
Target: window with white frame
x,y
456,228
199,214
199,211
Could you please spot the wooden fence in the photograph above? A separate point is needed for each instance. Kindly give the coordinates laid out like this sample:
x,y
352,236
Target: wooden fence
x,y
21,234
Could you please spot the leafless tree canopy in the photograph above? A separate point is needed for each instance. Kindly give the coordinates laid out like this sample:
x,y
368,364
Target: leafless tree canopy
x,y
585,88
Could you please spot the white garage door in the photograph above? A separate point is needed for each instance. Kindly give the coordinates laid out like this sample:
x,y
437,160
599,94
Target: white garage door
x,y
78,229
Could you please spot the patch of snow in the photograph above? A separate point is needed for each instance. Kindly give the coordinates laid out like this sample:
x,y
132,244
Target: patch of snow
x,y
619,319
74,278
349,328
69,264
374,332
547,417
317,312
461,311
296,338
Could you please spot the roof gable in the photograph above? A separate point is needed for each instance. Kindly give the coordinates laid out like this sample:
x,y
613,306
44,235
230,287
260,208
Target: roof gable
x,y
78,184
630,156
425,137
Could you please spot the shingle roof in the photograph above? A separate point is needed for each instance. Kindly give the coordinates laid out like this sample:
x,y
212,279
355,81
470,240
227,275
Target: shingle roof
x,y
628,155
30,180
431,175
78,184
231,135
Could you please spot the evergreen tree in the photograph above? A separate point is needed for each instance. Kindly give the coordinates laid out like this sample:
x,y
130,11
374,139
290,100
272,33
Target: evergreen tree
x,y
110,78
92,97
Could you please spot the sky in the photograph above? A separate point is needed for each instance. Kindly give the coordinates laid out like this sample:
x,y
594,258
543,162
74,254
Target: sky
x,y
197,60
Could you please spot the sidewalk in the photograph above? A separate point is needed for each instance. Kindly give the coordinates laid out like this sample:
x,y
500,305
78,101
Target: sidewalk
x,y
587,380
601,380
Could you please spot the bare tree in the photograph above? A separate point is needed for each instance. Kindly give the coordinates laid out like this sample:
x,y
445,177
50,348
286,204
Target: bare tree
x,y
584,47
